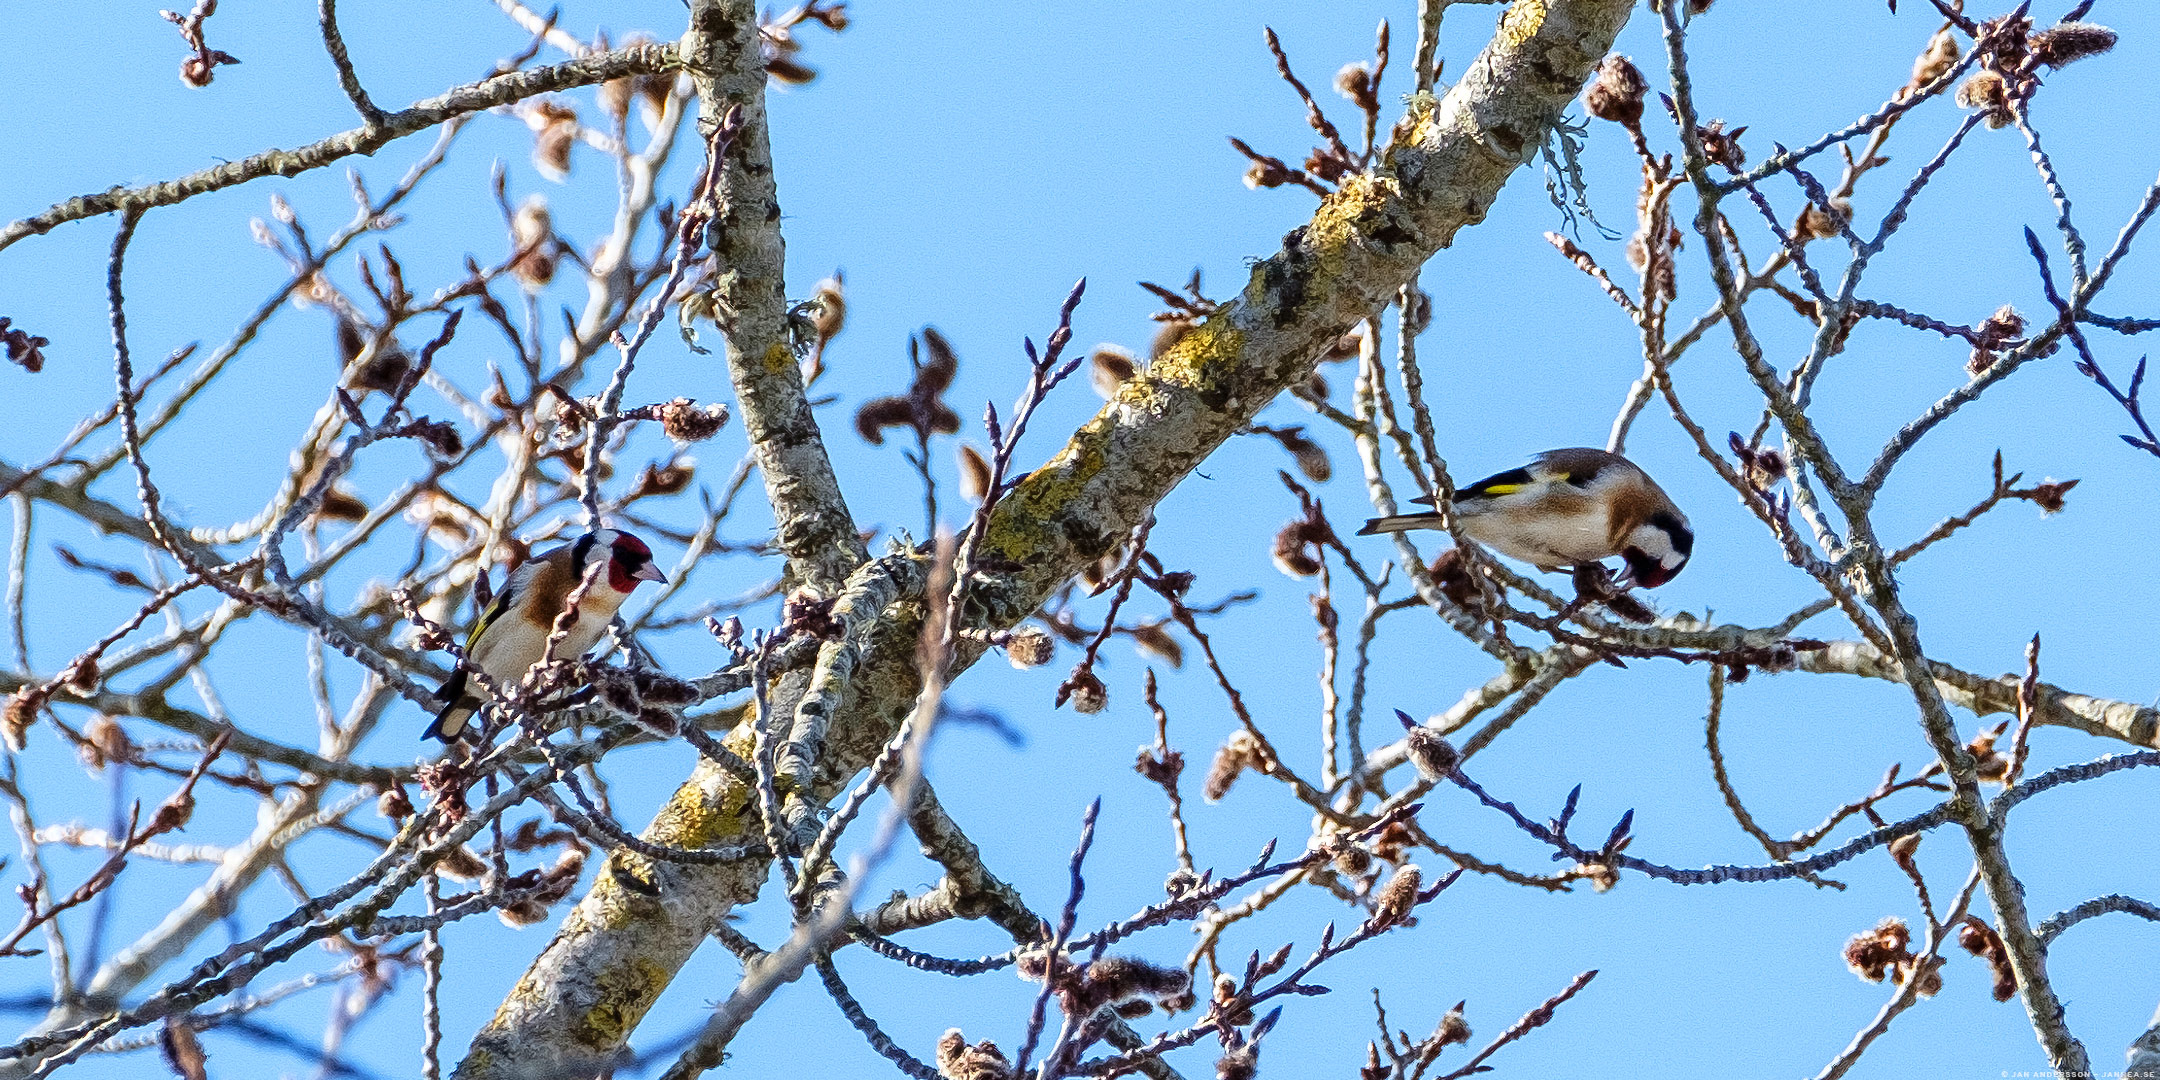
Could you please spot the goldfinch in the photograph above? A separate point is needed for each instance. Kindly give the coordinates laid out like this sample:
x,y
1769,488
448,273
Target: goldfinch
x,y
1569,507
511,636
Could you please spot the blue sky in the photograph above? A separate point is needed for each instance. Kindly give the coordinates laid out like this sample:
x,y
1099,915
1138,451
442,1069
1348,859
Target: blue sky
x,y
964,165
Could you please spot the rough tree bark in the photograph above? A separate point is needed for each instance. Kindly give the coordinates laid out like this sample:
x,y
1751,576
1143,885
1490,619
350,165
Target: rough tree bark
x,y
577,1005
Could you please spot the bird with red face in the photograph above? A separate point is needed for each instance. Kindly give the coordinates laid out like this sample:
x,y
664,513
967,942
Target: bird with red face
x,y
511,636
1569,507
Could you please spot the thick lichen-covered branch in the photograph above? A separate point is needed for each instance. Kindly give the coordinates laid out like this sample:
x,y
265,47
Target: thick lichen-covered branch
x,y
1450,159
749,294
619,948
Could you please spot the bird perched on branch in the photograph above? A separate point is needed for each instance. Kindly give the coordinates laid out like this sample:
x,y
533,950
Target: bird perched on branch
x,y
1570,507
511,636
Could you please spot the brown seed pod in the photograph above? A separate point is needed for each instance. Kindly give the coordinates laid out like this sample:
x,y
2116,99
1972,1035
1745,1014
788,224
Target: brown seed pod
x,y
460,864
394,804
1818,223
1880,951
1935,61
532,238
974,473
522,914
1086,692
1154,640
1434,756
20,713
1616,94
1986,91
1172,332
23,348
685,422
1108,369
1028,647
1237,754
105,742
555,131
2066,43
1391,907
956,1060
1355,81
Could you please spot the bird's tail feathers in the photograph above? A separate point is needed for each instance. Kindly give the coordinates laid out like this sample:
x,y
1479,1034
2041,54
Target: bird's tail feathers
x,y
450,723
1400,523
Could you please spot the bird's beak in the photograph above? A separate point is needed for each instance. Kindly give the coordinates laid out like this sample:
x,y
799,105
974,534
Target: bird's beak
x,y
1654,577
650,572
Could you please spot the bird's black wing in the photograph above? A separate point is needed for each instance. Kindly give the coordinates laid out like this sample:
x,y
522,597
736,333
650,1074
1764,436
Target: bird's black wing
x,y
487,618
453,693
1497,485
1577,466
456,702
1581,475
453,688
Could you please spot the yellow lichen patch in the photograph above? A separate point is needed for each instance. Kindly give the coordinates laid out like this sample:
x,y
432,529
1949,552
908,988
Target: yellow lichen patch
x,y
1142,395
1019,529
778,357
1420,111
613,903
1202,357
623,997
741,739
1521,21
692,819
1142,391
1342,216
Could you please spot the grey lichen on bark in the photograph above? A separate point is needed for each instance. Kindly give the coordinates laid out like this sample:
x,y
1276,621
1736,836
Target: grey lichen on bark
x,y
624,941
724,57
967,891
2144,1054
622,944
2138,725
1448,163
617,950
